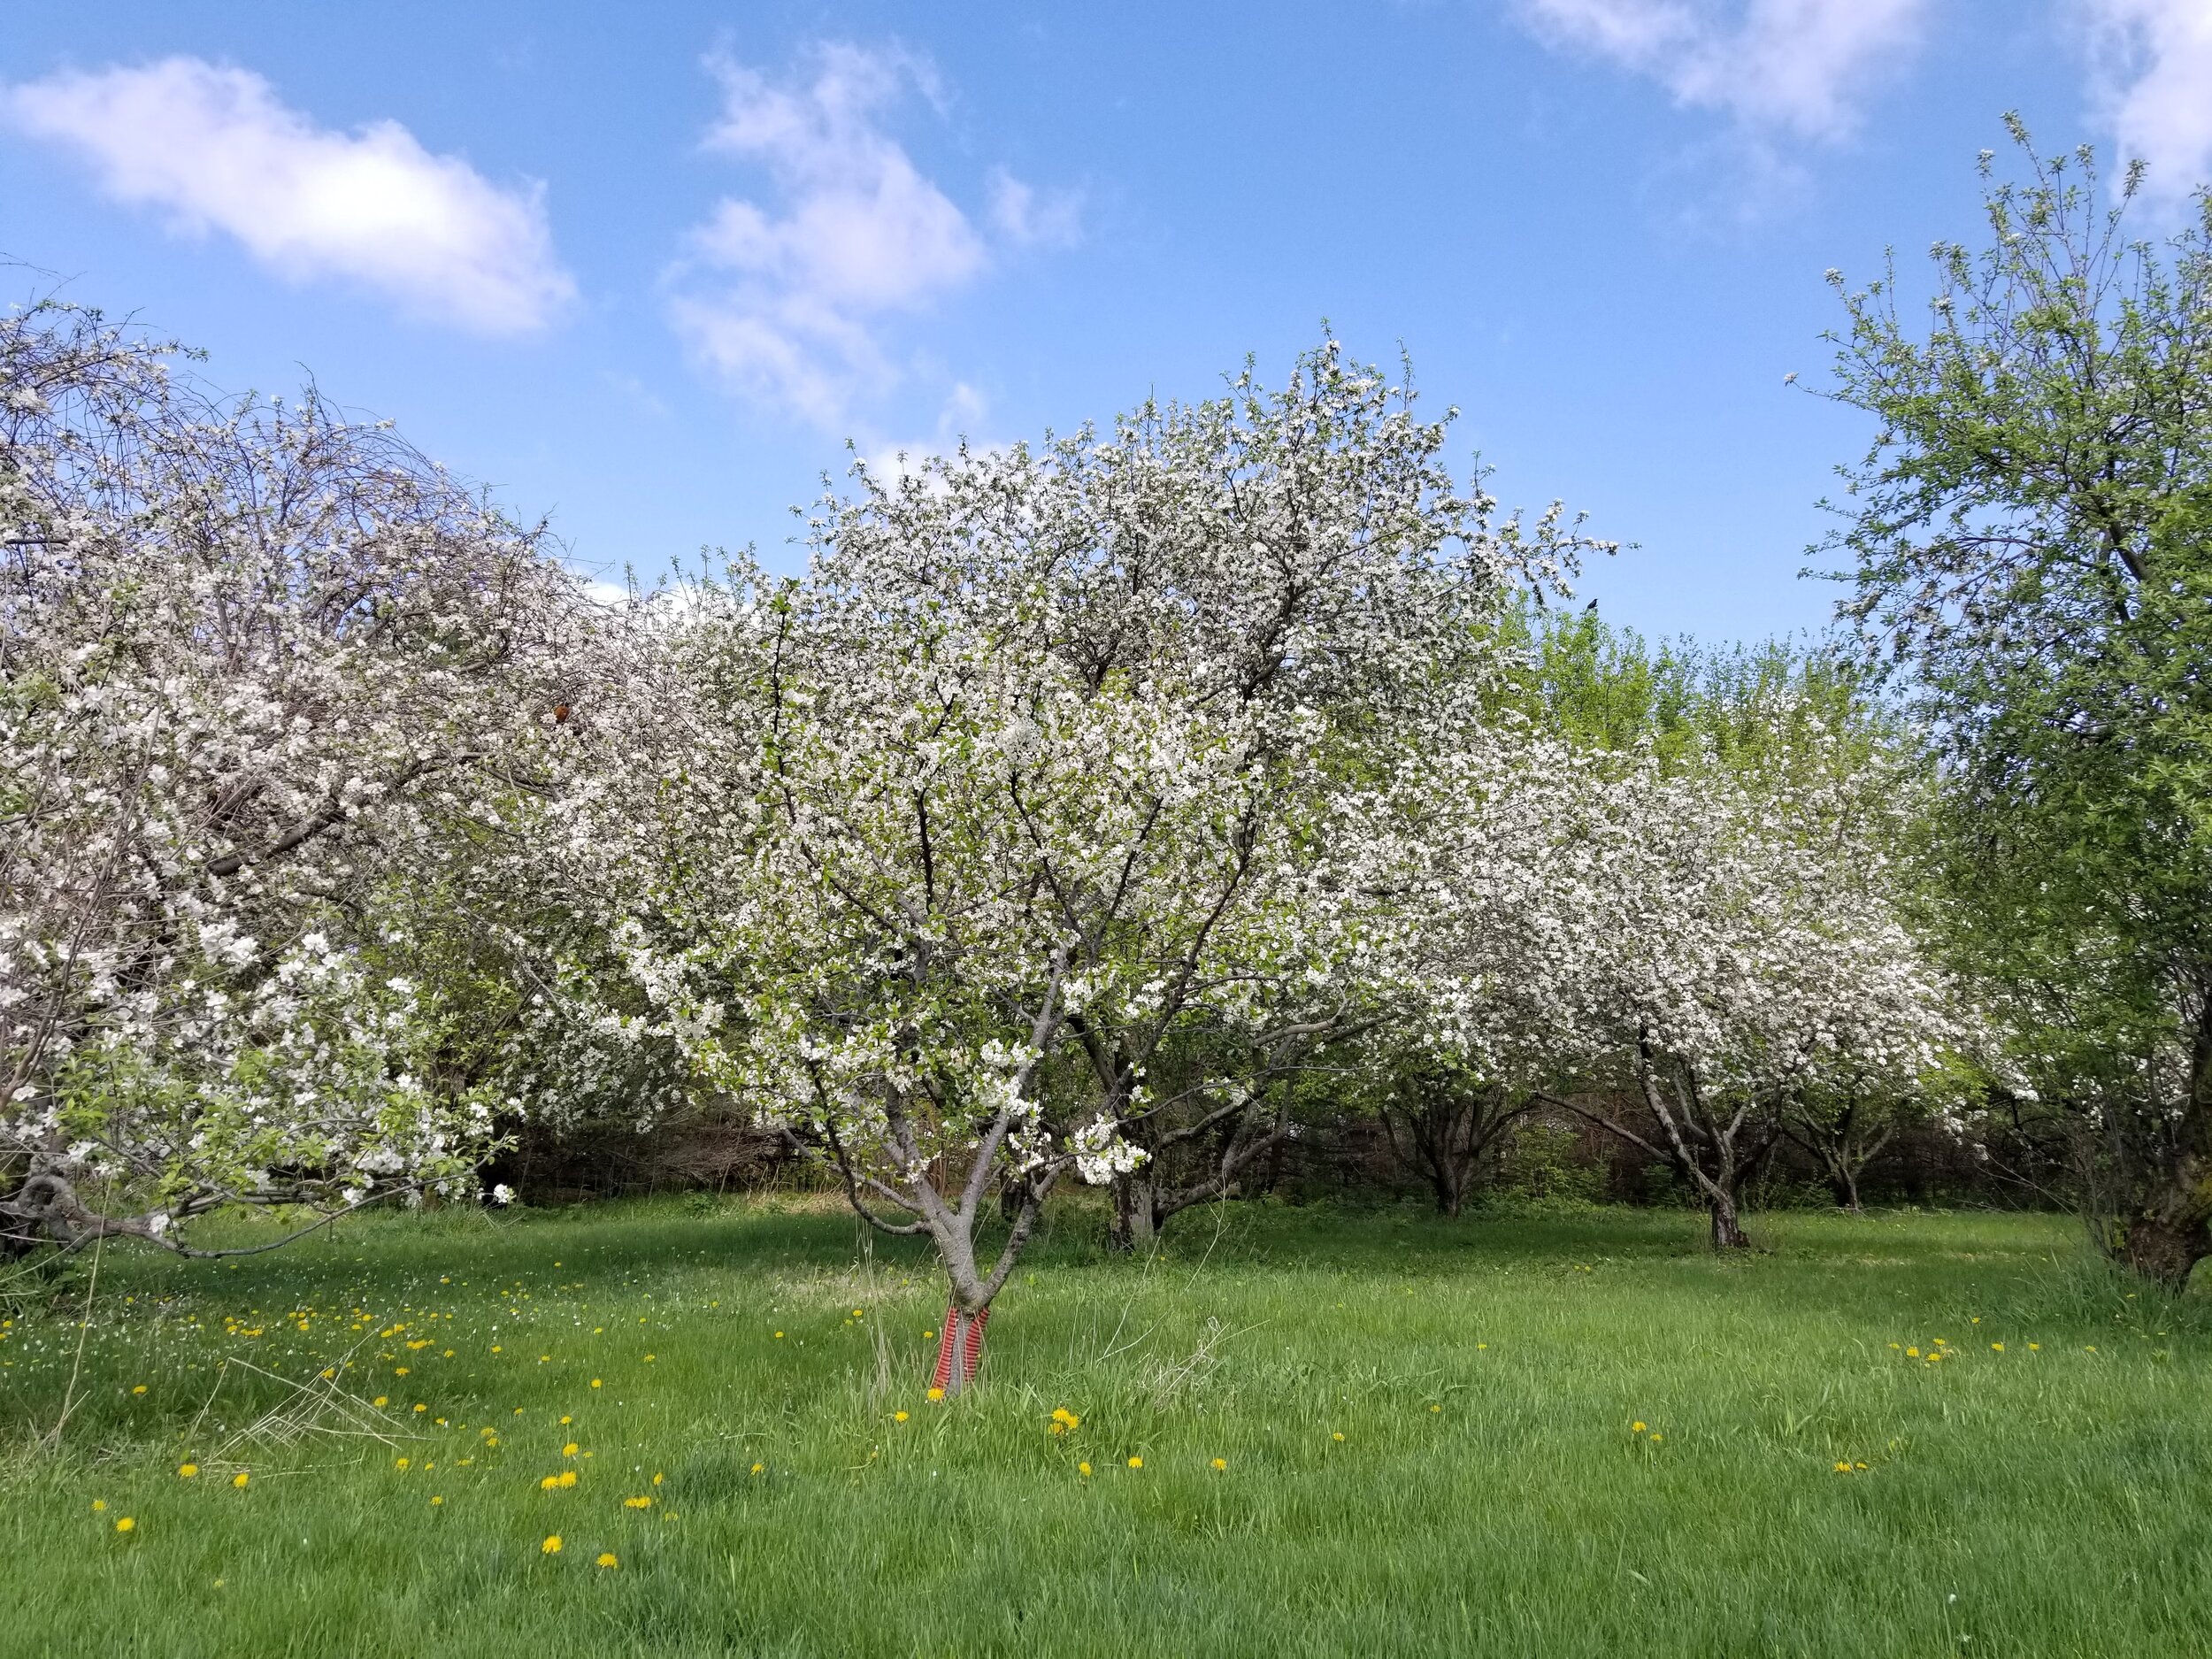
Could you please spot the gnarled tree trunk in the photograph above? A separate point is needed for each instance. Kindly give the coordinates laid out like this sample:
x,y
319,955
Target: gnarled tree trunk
x,y
1441,1128
1843,1181
1135,1226
1715,1146
1145,1199
1844,1141
2171,1229
1728,1234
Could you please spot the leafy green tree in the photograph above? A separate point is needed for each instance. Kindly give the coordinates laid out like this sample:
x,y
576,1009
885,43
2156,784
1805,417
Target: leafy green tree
x,y
2031,540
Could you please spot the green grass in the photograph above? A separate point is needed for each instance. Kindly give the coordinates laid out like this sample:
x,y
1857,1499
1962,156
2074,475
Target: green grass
x,y
1488,1494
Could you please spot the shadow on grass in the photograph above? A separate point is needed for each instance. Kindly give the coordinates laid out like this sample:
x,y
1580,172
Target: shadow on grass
x,y
1874,1268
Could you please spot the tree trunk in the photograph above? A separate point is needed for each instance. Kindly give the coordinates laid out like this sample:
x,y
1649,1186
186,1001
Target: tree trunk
x,y
1444,1143
1136,1224
1723,1198
1451,1162
1844,1182
2164,1254
2173,1232
1451,1195
1728,1232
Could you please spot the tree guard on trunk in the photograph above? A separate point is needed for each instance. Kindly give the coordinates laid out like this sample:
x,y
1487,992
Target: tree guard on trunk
x,y
959,1350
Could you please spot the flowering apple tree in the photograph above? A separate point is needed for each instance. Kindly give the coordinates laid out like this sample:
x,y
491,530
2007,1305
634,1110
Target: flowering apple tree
x,y
259,668
1754,951
1021,838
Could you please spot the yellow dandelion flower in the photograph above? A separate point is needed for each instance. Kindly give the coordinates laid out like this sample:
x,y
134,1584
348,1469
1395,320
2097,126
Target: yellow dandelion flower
x,y
437,1502
381,1399
569,1450
1655,1438
568,1477
1082,1468
126,1525
1136,1463
98,1505
656,1478
1843,1469
1636,1428
1221,1462
141,1388
898,1416
758,1467
779,1336
1337,1436
188,1470
399,1370
399,1462
1996,1347
420,1407
595,1382
937,1394
548,1483
239,1481
606,1559
551,1546
637,1503
1912,1353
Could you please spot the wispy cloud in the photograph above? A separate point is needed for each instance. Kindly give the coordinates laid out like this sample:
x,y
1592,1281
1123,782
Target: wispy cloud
x,y
960,421
2153,75
788,303
1798,66
1029,217
212,148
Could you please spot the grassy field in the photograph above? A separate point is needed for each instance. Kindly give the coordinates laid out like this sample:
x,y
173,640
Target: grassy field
x,y
1307,1431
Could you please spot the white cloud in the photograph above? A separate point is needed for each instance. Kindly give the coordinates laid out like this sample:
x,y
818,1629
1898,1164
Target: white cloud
x,y
1798,65
1029,217
606,592
213,148
866,229
788,303
2153,78
958,421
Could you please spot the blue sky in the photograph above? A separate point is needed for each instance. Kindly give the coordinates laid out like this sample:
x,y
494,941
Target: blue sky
x,y
645,269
